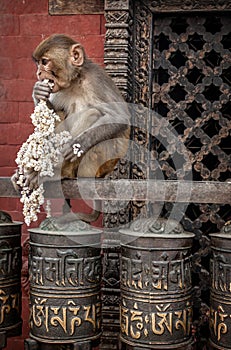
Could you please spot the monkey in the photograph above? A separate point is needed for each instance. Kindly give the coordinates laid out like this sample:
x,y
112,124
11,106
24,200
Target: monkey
x,y
90,106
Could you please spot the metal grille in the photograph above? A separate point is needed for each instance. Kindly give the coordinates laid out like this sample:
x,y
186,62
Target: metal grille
x,y
191,77
191,88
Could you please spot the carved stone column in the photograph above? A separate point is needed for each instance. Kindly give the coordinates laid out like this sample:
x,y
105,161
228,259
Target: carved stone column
x,y
117,58
156,287
118,44
220,300
110,293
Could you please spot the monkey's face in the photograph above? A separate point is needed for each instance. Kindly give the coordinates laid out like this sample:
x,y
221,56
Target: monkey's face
x,y
48,68
60,60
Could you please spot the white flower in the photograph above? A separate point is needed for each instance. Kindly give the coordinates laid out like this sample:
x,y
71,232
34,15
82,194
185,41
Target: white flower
x,y
39,153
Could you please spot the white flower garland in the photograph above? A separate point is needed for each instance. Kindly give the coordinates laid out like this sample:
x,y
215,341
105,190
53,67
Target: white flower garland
x,y
39,153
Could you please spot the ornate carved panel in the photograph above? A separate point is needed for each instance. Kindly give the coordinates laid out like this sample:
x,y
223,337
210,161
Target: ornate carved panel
x,y
188,5
73,7
118,62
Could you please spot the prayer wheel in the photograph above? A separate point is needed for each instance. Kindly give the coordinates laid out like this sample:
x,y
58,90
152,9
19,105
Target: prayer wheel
x,y
65,276
220,290
156,290
10,276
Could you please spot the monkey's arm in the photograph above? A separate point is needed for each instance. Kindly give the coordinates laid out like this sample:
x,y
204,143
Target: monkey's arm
x,y
107,126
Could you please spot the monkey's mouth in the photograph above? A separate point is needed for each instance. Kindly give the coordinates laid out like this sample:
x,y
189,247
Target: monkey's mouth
x,y
50,83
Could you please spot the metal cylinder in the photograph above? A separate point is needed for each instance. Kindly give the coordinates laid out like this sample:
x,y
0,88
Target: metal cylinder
x,y
10,276
65,276
156,291
220,291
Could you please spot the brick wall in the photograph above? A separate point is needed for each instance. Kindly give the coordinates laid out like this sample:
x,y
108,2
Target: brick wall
x,y
23,24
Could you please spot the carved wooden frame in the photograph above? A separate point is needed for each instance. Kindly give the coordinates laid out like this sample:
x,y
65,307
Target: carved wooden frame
x,y
118,43
188,5
118,39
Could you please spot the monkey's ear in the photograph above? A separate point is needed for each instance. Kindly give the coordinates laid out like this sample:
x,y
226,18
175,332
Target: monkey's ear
x,y
77,55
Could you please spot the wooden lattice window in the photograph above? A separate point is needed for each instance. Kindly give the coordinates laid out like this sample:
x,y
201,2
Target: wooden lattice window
x,y
182,71
191,87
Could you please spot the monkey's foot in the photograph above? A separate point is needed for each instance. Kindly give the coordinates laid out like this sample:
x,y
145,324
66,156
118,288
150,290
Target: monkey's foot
x,y
77,149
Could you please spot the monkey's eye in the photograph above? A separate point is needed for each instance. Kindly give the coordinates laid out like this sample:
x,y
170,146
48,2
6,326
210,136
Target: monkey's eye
x,y
44,61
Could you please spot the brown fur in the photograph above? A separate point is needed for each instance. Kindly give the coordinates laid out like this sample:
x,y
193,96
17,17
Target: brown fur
x,y
90,105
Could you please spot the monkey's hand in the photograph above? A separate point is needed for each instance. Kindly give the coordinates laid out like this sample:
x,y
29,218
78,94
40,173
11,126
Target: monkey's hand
x,y
31,180
41,91
14,180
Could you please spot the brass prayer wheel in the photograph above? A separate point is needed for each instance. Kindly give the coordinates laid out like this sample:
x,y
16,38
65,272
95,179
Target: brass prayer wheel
x,y
10,276
65,276
220,289
156,290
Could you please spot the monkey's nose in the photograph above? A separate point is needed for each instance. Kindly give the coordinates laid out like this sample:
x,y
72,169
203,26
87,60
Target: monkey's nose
x,y
39,75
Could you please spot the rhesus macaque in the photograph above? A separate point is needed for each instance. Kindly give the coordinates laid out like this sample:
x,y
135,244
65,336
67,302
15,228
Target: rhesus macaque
x,y
89,104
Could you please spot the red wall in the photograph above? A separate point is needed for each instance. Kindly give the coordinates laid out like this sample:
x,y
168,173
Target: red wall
x,y
23,24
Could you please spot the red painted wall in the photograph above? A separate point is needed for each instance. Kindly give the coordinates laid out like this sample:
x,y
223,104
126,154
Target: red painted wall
x,y
23,24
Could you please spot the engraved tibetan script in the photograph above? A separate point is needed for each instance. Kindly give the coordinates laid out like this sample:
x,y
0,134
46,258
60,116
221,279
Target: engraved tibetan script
x,y
8,302
221,274
69,317
218,321
65,269
9,259
136,323
160,275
